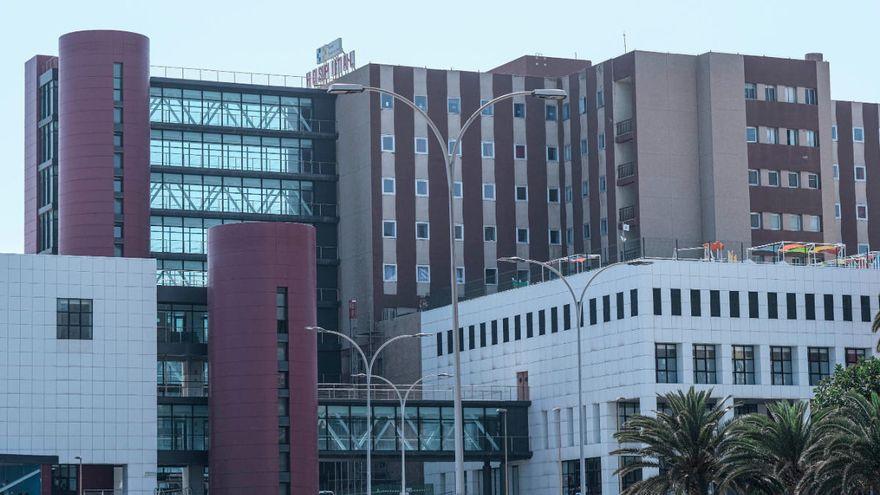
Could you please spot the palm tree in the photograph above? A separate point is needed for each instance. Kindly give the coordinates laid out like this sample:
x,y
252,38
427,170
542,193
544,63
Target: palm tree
x,y
847,455
684,443
875,327
770,453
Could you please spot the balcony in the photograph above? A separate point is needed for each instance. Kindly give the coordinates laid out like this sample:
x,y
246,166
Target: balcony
x,y
626,173
181,278
627,214
191,388
326,295
623,130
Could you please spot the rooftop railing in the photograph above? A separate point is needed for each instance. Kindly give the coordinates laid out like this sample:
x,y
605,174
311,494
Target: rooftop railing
x,y
358,391
228,76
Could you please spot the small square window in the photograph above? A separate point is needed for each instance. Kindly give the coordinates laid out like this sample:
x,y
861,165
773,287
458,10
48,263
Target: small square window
x,y
774,221
519,110
489,192
552,154
389,272
522,236
522,193
450,145
459,274
117,231
488,149
773,178
457,189
489,233
858,134
519,151
422,187
388,185
421,102
550,111
117,139
861,173
491,276
453,105
751,92
864,248
117,185
458,231
755,219
794,179
813,181
421,146
488,111
386,100
553,195
388,143
754,178
862,211
423,274
813,223
796,223
555,237
422,230
751,135
389,229
74,319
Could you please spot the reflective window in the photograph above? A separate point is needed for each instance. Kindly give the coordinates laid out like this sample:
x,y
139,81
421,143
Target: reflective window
x,y
183,427
74,319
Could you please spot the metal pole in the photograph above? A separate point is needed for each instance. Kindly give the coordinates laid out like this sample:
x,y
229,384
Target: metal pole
x,y
506,463
79,480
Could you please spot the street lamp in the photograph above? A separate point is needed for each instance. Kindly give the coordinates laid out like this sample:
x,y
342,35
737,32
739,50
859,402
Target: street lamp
x,y
79,480
550,94
400,431
368,366
503,412
579,305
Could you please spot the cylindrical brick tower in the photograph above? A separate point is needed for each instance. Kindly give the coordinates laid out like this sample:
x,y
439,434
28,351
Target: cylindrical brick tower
x,y
103,144
261,295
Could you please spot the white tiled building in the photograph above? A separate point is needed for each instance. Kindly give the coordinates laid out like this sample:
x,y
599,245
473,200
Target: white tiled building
x,y
78,363
703,316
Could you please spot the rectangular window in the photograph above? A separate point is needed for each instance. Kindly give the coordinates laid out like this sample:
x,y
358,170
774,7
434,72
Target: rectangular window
x,y
489,110
566,111
522,236
566,317
811,139
386,101
789,94
754,178
666,363
517,327
459,275
675,297
439,343
542,322
600,99
451,145
521,193
421,146
593,311
552,154
625,411
820,365
781,368
519,151
790,306
846,299
117,115
744,365
696,304
422,187
421,102
449,342
773,178
554,320
489,192
606,308
389,229
813,181
810,306
829,307
733,298
453,105
550,111
586,231
774,221
715,303
791,138
772,306
494,332
488,149
602,183
755,220
861,173
619,304
74,319
458,232
770,93
519,110
482,335
472,337
751,134
858,134
862,211
552,194
529,324
658,301
753,305
866,308
389,272
457,187
491,276
810,97
633,302
834,132
489,233
387,142
423,273
582,105
505,329
388,185
705,366
853,356
422,230
794,179
601,141
751,91
772,135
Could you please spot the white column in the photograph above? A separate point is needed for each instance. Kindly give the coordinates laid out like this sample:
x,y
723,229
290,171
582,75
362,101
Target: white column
x,y
648,407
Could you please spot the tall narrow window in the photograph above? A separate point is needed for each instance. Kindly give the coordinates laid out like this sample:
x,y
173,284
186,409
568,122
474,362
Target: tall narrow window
x,y
744,365
705,366
696,304
281,309
781,372
733,296
791,306
715,303
658,301
753,305
772,306
619,304
666,363
846,299
606,308
675,295
820,365
633,302
810,306
829,307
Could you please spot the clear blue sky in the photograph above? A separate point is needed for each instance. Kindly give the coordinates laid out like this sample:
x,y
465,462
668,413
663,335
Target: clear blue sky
x,y
281,37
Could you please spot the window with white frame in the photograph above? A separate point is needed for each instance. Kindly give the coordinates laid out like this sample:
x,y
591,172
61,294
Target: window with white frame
x,y
810,97
751,134
550,111
421,146
603,226
861,173
519,110
489,192
794,179
386,100
864,248
450,145
522,193
519,151
755,220
789,94
489,233
387,143
754,177
601,140
773,178
813,223
488,111
422,187
421,102
552,154
389,272
491,275
837,210
810,139
859,134
602,183
585,188
751,91
771,135
457,189
389,229
586,231
459,274
835,171
774,221
522,236
488,149
423,273
770,93
791,137
862,211
834,132
388,185
458,231
813,181
552,194
555,238
795,223
453,105
423,230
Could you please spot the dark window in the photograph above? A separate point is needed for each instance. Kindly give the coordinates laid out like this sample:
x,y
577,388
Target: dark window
x,y
439,343
626,410
753,305
529,332
829,307
505,329
791,306
619,303
519,110
566,317
853,356
281,309
820,366
866,308
632,477
460,339
744,364
715,303
772,306
781,371
482,335
517,332
74,319
847,307
494,332
571,481
542,322
666,363
593,311
64,479
734,303
696,309
658,301
554,320
472,337
634,302
606,308
449,342
743,409
810,306
675,296
551,111
705,366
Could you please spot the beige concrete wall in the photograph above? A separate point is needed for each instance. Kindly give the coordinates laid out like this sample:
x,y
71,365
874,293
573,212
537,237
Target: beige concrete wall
x,y
827,153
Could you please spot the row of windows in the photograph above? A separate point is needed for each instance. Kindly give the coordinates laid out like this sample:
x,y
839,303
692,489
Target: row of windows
x,y
212,108
858,134
744,367
795,305
230,151
860,172
770,135
231,194
786,94
423,232
453,106
387,143
182,427
794,222
521,193
861,213
774,178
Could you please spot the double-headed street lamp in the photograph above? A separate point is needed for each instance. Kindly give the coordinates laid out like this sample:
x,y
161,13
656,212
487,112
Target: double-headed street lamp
x,y
553,94
368,366
401,430
579,314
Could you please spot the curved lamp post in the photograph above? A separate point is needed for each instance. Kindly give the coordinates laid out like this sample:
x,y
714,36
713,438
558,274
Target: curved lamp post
x,y
553,94
578,305
368,365
401,431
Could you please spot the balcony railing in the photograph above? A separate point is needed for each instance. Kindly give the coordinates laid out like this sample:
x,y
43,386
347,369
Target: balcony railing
x,y
172,336
626,170
229,76
191,388
320,210
181,278
328,295
624,127
626,213
327,253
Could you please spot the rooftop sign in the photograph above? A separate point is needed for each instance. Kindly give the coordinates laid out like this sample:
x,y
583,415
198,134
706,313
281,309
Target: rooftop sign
x,y
333,63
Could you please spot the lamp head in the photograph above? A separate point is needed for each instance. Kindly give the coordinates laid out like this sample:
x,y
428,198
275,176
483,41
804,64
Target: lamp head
x,y
314,328
345,89
639,263
421,334
512,259
501,410
550,94
444,375
358,375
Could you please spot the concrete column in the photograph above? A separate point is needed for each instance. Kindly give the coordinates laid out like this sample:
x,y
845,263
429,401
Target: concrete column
x,y
648,407
193,478
487,478
608,426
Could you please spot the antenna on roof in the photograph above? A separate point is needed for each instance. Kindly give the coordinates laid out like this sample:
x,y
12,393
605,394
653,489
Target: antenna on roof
x,y
624,42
